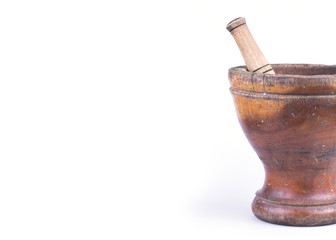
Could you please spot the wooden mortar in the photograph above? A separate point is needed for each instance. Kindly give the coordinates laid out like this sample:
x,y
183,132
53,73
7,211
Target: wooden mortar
x,y
290,121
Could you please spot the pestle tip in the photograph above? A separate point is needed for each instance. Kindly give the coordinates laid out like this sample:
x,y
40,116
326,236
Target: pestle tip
x,y
235,23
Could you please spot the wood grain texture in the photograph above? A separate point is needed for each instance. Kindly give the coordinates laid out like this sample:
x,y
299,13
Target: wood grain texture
x,y
293,130
254,59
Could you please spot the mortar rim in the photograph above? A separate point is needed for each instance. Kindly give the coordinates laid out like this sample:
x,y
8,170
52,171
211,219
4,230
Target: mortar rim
x,y
308,82
243,69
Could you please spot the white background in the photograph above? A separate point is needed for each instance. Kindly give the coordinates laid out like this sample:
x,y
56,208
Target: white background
x,y
116,120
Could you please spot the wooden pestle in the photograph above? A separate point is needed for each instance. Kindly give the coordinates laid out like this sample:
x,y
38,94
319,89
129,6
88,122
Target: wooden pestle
x,y
253,57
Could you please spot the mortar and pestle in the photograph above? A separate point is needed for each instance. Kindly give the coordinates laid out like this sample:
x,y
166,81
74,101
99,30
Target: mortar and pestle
x,y
288,114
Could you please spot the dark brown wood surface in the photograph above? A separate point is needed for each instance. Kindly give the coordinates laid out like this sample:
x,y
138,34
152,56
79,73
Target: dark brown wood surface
x,y
290,120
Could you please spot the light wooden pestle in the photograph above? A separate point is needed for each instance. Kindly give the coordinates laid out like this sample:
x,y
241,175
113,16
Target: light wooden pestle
x,y
253,57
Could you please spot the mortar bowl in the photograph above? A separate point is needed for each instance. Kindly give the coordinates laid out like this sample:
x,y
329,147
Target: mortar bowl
x,y
290,121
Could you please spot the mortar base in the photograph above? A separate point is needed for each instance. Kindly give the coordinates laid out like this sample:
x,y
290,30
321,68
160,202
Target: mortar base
x,y
294,215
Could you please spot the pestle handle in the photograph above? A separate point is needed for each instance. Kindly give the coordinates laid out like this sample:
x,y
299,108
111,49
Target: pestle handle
x,y
253,57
